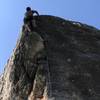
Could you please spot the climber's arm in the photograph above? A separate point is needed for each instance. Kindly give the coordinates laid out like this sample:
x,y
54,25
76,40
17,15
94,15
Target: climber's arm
x,y
35,12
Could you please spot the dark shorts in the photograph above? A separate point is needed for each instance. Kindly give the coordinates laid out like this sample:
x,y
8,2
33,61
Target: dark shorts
x,y
28,19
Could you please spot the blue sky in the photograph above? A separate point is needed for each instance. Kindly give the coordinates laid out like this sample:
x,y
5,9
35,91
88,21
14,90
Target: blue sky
x,y
12,13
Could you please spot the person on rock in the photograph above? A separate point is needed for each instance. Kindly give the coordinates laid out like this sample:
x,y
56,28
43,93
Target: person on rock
x,y
29,19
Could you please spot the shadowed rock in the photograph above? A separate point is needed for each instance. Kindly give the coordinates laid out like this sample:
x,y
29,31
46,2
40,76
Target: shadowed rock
x,y
60,60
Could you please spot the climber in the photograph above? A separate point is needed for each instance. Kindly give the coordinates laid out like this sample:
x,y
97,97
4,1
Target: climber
x,y
29,19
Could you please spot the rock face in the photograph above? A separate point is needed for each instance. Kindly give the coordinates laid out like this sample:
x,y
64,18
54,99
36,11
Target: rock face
x,y
59,60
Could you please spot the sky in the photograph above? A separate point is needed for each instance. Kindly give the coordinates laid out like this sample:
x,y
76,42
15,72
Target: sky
x,y
12,14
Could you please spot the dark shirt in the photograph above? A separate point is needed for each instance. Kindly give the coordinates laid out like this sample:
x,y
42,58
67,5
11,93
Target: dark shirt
x,y
31,13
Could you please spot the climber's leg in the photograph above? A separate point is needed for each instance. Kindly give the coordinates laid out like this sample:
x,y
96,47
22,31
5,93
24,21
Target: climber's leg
x,y
27,24
27,28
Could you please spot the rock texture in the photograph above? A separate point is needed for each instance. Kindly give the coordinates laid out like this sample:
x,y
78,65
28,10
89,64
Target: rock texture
x,y
59,60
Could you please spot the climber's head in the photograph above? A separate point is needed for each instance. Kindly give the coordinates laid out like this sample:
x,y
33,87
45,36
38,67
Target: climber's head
x,y
28,9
